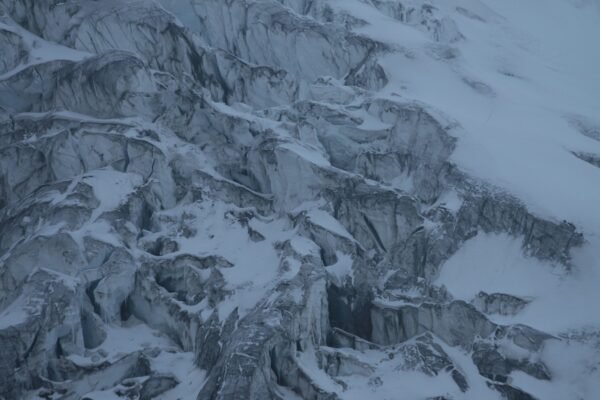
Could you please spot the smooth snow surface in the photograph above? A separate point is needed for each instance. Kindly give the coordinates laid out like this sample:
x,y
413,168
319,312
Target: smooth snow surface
x,y
525,69
111,188
560,299
496,264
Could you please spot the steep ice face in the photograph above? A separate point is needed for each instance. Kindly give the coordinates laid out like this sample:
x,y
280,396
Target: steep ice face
x,y
283,199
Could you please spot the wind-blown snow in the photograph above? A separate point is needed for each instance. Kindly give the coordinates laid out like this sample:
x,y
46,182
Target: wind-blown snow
x,y
574,370
560,299
512,84
496,264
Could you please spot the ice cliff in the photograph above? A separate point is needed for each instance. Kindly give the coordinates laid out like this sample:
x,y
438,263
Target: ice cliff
x,y
299,199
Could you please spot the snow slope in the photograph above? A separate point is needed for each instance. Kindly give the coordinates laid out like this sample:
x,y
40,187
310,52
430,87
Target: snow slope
x,y
524,70
299,199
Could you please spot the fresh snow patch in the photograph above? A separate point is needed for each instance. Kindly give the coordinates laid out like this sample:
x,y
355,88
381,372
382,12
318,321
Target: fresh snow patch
x,y
255,264
111,188
135,335
14,314
514,134
560,299
311,155
342,268
327,222
496,264
575,372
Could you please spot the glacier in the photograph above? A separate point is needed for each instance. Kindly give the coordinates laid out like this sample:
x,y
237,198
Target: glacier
x,y
299,199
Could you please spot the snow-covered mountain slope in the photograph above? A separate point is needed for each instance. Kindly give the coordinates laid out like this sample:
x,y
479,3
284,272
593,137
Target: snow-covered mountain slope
x,y
299,199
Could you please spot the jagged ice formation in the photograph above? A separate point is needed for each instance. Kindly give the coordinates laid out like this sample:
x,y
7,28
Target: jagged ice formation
x,y
299,199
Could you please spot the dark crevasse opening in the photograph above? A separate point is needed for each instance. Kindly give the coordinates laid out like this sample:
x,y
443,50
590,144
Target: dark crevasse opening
x,y
350,310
